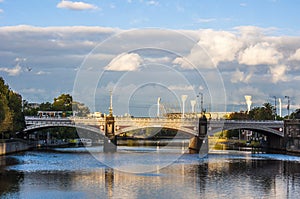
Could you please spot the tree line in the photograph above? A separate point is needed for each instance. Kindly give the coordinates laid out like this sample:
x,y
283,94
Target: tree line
x,y
265,112
64,102
13,109
11,116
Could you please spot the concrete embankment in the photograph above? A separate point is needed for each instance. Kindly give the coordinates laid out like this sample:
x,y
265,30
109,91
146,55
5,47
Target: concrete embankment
x,y
12,147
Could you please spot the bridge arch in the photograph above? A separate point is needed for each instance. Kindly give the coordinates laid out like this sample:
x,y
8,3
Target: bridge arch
x,y
182,129
52,125
260,129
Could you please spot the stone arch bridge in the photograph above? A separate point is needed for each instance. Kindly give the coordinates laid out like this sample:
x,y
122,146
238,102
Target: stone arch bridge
x,y
126,124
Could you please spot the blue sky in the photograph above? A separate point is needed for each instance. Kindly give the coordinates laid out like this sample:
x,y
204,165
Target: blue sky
x,y
180,14
144,49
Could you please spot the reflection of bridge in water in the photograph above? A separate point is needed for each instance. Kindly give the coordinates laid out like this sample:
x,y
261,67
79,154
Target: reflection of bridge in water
x,y
272,129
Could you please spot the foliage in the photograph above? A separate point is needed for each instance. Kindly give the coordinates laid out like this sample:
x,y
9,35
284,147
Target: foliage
x,y
45,106
28,109
266,112
239,116
11,116
64,102
295,114
80,109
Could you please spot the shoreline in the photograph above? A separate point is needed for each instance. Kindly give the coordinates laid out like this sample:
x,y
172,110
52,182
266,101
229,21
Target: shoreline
x,y
13,146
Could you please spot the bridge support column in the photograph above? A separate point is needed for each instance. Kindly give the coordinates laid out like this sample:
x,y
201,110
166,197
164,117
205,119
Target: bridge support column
x,y
110,145
276,142
199,144
110,141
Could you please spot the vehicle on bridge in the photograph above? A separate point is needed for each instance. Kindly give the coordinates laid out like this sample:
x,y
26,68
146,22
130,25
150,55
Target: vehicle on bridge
x,y
54,114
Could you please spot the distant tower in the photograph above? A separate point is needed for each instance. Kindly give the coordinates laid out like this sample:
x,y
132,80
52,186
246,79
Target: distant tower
x,y
280,107
183,99
193,104
158,106
248,102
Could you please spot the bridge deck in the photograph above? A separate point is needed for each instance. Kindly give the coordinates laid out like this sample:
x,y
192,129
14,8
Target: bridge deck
x,y
126,124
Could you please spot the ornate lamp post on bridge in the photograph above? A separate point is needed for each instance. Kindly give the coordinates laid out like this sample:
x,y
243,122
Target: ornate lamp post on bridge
x,y
110,141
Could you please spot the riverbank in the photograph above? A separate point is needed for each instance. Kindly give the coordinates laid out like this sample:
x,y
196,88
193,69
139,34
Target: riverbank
x,y
13,146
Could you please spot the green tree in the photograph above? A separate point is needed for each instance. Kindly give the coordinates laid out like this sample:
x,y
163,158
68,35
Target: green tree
x,y
29,110
262,113
11,116
63,103
257,113
80,109
46,106
15,106
239,116
295,114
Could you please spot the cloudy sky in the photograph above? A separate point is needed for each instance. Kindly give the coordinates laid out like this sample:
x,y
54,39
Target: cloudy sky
x,y
143,50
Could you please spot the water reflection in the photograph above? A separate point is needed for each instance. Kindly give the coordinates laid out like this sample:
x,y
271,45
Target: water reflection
x,y
81,176
109,182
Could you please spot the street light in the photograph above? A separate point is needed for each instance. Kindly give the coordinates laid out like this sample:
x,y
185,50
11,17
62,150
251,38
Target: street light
x,y
275,107
288,106
201,102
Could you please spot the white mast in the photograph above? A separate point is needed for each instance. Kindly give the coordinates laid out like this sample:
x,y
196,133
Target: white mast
x,y
193,104
280,107
248,102
183,99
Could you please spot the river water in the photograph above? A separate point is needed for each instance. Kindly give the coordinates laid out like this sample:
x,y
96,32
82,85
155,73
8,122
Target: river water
x,y
75,173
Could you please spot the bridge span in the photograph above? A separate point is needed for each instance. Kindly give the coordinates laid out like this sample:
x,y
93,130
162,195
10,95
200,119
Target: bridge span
x,y
126,124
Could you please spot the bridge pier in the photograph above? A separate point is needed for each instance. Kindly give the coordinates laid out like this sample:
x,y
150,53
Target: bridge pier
x,y
276,142
110,141
110,145
199,143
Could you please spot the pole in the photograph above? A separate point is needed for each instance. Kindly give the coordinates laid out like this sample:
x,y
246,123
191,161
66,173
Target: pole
x,y
158,106
288,106
275,108
183,99
201,101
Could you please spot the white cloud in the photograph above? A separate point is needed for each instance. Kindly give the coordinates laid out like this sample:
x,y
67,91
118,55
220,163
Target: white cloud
x,y
295,56
125,62
60,48
221,45
158,60
152,3
213,47
260,53
184,62
181,87
205,20
33,90
12,71
1,11
75,5
237,76
42,73
278,73
240,76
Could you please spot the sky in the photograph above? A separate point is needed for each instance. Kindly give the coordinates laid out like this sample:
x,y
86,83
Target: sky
x,y
146,50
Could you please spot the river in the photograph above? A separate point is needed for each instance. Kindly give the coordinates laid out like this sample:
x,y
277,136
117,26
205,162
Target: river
x,y
145,172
